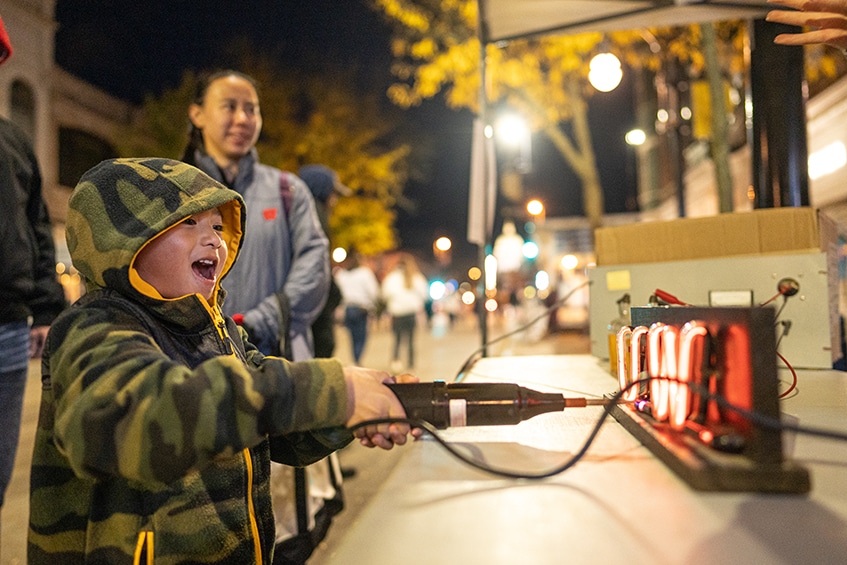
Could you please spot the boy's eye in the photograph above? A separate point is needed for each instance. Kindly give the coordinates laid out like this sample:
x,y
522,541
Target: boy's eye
x,y
190,221
218,227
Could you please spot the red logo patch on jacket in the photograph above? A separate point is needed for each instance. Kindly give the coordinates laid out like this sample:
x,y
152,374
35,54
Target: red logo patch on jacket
x,y
269,214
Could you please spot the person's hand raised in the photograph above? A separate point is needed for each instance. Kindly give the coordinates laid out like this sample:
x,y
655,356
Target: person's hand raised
x,y
827,18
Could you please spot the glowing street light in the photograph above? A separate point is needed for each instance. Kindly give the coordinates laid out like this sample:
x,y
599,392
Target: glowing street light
x,y
535,207
339,254
635,137
441,249
569,262
530,250
605,72
514,134
437,290
511,130
542,280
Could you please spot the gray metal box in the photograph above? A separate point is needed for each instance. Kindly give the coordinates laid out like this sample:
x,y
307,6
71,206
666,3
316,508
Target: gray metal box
x,y
814,339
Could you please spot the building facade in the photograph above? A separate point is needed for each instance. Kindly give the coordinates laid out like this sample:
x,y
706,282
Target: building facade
x,y
72,124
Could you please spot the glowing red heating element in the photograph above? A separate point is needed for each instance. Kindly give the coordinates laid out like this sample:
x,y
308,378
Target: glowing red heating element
x,y
673,358
691,375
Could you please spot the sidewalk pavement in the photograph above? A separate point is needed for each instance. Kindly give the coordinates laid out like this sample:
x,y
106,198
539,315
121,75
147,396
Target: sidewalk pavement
x,y
440,352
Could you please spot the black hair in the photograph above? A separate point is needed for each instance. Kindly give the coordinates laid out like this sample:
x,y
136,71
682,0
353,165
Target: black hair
x,y
195,134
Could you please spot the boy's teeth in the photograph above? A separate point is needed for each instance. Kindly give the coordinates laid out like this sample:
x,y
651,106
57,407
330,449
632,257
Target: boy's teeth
x,y
205,268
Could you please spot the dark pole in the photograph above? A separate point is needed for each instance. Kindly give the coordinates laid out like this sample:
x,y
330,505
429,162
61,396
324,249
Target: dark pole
x,y
486,222
780,153
674,139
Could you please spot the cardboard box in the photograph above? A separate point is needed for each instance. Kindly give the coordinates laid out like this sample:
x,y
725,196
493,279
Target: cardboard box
x,y
764,231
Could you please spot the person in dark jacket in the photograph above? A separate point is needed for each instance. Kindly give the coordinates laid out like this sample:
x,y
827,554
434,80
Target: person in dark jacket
x,y
325,186
158,418
30,295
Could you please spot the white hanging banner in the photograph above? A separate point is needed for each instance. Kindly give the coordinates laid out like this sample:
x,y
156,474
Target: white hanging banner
x,y
483,186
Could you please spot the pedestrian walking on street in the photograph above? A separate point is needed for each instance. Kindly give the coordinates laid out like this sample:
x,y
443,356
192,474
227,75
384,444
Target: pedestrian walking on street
x,y
360,289
405,292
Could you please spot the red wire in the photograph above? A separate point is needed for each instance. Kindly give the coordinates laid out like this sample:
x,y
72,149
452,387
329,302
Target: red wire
x,y
669,298
793,375
774,297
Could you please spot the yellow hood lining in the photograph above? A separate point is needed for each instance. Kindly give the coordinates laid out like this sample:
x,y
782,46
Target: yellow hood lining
x,y
231,214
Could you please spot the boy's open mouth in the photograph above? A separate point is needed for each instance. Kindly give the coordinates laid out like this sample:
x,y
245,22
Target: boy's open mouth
x,y
205,268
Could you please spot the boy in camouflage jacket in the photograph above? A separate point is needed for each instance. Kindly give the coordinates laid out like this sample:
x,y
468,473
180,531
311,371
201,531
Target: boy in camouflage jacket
x,y
158,419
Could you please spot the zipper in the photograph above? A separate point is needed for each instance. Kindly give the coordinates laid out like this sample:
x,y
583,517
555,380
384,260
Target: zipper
x,y
144,549
223,334
254,526
220,324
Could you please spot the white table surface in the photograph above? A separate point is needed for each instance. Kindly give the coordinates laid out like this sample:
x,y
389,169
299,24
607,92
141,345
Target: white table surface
x,y
619,504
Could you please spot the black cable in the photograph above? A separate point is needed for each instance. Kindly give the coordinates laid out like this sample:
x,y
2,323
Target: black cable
x,y
785,325
781,308
431,430
472,358
775,424
755,418
759,419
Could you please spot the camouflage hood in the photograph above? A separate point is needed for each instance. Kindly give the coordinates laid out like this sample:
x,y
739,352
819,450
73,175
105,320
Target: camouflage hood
x,y
121,204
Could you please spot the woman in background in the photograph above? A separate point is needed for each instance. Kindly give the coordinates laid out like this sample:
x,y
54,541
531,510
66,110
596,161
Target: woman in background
x,y
360,292
404,291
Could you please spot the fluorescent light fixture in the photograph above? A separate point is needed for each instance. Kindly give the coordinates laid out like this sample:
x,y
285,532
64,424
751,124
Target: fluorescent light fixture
x,y
827,160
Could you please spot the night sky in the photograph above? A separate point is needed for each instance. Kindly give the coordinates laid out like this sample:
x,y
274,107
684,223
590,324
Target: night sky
x,y
131,48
